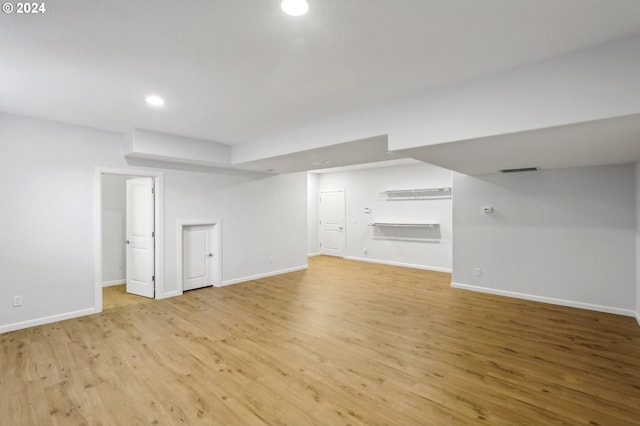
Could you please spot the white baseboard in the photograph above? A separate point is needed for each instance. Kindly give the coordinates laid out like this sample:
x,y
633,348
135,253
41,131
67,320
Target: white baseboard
x,y
265,275
638,317
46,320
314,254
404,265
114,282
551,300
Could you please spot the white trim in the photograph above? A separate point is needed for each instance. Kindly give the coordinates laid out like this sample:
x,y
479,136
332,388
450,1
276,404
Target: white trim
x,y
158,178
404,265
638,317
314,254
46,320
114,282
551,300
265,275
217,228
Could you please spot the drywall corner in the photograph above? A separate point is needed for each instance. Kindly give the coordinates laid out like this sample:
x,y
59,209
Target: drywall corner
x,y
313,242
637,242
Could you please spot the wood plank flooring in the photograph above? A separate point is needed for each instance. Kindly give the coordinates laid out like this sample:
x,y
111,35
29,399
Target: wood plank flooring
x,y
341,343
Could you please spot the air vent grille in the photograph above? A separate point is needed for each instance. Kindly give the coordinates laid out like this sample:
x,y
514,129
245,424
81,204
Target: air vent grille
x,y
524,169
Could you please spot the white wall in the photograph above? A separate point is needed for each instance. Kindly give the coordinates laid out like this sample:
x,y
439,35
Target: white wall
x,y
638,242
313,242
264,221
46,250
562,236
114,205
362,189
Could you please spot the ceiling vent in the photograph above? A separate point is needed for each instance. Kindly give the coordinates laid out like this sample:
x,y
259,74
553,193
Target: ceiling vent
x,y
524,169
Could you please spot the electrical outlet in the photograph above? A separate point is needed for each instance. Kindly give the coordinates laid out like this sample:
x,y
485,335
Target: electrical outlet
x,y
17,301
364,250
477,272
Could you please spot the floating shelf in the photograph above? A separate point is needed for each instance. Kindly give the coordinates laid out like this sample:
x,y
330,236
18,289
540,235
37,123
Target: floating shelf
x,y
405,225
402,231
413,191
418,194
416,239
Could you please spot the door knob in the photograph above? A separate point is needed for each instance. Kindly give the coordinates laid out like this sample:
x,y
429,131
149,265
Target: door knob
x,y
127,241
210,255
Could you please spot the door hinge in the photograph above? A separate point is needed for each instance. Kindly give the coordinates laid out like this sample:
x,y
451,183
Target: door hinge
x,y
153,234
153,190
153,278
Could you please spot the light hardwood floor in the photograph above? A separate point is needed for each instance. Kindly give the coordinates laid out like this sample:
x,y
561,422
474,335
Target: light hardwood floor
x,y
341,343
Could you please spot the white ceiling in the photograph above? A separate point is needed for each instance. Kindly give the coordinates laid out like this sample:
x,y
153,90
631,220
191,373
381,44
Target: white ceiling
x,y
236,70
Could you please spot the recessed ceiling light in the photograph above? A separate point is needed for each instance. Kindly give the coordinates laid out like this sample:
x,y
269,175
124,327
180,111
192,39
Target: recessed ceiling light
x,y
154,100
294,7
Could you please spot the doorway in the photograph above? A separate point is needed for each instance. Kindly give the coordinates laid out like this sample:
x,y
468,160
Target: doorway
x,y
199,253
140,237
152,269
332,218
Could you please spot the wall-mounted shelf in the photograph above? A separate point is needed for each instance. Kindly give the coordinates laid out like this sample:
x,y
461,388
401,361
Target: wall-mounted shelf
x,y
405,231
418,194
402,238
405,225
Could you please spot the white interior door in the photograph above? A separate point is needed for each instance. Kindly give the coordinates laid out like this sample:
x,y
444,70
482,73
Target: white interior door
x,y
140,237
198,256
332,223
